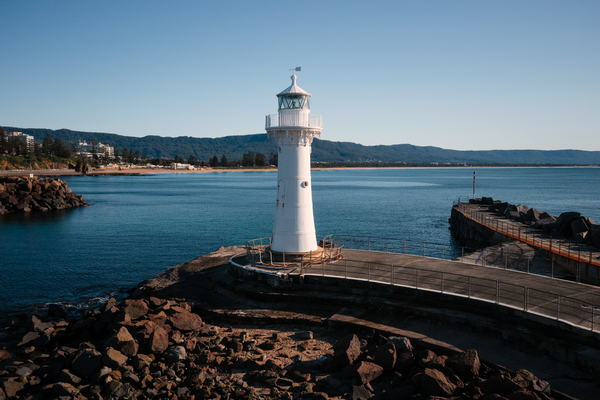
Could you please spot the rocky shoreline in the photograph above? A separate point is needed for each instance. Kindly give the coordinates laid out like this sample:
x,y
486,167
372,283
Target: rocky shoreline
x,y
24,195
158,345
162,348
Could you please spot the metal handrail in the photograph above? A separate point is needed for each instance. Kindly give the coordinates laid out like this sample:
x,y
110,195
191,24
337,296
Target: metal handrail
x,y
549,305
563,247
309,120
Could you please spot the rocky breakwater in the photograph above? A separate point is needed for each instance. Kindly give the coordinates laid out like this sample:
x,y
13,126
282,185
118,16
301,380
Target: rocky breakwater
x,y
20,194
156,348
568,225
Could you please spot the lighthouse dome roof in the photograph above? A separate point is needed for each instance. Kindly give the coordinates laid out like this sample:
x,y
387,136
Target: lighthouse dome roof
x,y
294,89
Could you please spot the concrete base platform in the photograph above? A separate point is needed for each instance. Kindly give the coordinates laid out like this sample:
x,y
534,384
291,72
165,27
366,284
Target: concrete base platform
x,y
279,257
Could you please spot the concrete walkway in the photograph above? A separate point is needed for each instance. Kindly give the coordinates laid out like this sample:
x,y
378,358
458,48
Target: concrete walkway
x,y
553,298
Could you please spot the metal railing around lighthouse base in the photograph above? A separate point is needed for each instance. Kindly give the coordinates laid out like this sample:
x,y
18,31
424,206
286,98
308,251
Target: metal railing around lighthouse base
x,y
258,251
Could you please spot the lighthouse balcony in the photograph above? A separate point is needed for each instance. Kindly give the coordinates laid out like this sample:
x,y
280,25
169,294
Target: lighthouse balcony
x,y
274,121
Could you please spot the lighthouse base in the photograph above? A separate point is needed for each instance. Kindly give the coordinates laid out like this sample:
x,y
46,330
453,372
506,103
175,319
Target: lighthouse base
x,y
280,257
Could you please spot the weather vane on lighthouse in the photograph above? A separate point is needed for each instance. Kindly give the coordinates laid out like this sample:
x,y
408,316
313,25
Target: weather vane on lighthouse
x,y
294,128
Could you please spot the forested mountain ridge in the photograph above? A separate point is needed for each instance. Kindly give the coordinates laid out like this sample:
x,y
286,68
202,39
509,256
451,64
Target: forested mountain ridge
x,y
234,147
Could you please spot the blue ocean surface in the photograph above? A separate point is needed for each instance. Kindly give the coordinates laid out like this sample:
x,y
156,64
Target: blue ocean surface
x,y
138,226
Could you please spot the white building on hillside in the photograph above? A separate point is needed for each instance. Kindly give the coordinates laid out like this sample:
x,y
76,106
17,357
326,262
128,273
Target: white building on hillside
x,y
102,149
28,138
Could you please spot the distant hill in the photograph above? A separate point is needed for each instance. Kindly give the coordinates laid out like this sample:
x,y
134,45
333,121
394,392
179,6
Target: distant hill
x,y
234,148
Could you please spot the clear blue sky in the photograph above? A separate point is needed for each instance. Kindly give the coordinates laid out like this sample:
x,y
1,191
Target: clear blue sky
x,y
464,75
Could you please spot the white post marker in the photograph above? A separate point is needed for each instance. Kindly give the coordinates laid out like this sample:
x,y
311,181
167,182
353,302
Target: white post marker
x,y
294,129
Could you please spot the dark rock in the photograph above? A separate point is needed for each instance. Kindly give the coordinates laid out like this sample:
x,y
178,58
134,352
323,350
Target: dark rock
x,y
424,357
123,341
401,343
365,372
299,374
11,387
174,354
405,360
522,395
435,383
304,335
361,393
385,356
4,355
346,350
28,338
466,364
114,358
65,389
87,362
498,385
69,377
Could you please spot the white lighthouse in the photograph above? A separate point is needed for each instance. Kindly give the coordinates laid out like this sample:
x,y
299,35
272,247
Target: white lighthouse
x,y
294,129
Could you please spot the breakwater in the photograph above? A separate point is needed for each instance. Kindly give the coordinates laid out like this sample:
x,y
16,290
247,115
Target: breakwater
x,y
570,240
20,194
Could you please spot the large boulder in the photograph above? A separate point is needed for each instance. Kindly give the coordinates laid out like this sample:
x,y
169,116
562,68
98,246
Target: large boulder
x,y
466,364
366,371
385,356
122,341
346,350
185,320
135,308
435,383
159,340
87,362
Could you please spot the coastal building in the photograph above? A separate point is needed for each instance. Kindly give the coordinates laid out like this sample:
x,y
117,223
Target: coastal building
x,y
182,166
294,129
30,140
102,149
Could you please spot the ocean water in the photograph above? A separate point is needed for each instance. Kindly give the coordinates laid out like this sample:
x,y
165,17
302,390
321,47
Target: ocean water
x,y
140,225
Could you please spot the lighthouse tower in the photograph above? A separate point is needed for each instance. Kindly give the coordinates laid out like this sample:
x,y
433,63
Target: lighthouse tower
x,y
294,128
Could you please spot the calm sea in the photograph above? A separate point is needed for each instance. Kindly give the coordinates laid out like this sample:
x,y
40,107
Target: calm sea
x,y
140,225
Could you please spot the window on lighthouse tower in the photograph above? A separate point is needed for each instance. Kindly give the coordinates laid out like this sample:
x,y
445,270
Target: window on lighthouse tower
x,y
293,101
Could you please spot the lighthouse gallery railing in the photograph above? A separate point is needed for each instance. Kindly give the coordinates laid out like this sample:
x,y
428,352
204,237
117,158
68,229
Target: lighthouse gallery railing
x,y
304,120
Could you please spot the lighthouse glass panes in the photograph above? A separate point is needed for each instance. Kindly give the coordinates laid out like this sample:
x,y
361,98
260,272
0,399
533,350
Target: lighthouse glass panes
x,y
294,101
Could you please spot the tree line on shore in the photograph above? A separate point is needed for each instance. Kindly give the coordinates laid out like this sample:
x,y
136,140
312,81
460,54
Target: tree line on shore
x,y
15,150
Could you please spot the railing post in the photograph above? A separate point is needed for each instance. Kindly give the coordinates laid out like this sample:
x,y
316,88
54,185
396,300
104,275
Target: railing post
x,y
443,248
369,243
592,317
462,253
404,246
558,307
369,272
552,266
528,265
323,263
525,297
